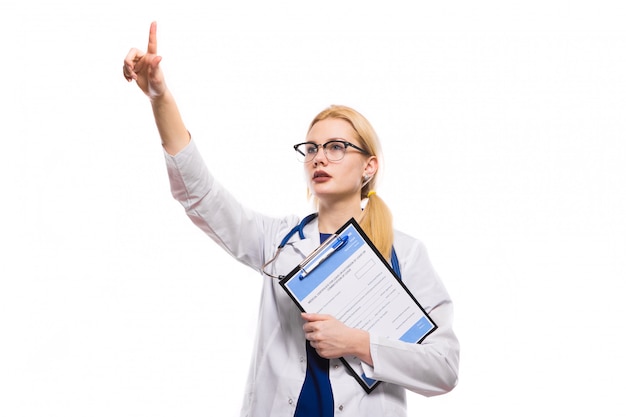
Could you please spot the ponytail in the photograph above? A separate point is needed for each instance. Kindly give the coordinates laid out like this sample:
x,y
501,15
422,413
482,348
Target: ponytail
x,y
377,223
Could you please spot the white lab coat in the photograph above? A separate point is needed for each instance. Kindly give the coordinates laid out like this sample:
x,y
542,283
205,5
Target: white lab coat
x,y
278,364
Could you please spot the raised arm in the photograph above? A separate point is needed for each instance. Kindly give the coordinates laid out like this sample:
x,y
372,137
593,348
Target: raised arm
x,y
144,68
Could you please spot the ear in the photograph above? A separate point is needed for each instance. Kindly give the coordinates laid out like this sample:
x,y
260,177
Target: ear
x,y
371,166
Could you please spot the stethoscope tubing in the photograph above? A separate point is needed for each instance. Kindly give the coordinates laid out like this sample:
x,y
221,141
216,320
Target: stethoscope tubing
x,y
299,228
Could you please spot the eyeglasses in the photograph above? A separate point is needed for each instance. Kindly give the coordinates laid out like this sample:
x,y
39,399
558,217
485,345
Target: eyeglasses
x,y
334,150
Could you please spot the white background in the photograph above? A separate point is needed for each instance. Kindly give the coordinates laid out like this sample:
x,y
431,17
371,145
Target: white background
x,y
503,127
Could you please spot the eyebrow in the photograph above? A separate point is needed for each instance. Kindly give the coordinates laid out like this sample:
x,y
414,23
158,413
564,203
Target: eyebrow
x,y
328,140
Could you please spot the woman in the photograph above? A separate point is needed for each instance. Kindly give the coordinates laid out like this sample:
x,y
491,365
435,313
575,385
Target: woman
x,y
296,370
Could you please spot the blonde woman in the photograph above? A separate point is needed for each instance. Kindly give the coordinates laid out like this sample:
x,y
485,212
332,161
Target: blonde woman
x,y
296,370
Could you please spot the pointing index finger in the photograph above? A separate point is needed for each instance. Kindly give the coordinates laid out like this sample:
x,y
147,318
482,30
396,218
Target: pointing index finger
x,y
152,39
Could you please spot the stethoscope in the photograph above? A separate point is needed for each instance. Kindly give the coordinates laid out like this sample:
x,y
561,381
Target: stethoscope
x,y
299,229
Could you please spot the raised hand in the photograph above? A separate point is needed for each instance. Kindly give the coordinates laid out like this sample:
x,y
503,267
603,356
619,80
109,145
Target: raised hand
x,y
144,68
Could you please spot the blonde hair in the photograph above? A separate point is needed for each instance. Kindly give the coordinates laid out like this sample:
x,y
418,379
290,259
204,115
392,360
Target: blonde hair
x,y
376,220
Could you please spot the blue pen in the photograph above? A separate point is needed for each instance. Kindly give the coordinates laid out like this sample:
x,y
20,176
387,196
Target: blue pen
x,y
338,244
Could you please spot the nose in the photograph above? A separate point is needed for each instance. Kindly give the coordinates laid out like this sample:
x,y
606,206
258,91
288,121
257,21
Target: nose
x,y
320,156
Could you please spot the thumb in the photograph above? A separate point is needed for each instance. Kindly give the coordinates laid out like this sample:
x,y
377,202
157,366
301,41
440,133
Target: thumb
x,y
154,64
313,316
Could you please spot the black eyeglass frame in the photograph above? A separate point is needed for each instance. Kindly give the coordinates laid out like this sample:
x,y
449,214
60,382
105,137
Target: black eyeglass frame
x,y
345,143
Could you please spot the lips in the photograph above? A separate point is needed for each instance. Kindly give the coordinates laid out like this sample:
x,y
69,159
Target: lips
x,y
320,176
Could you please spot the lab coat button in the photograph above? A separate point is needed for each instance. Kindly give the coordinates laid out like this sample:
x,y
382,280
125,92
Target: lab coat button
x,y
291,401
341,408
301,359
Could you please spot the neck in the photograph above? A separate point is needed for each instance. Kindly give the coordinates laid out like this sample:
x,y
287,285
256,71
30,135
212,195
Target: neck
x,y
333,216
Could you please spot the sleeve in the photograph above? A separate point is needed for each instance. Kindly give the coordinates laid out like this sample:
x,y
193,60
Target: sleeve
x,y
429,368
242,232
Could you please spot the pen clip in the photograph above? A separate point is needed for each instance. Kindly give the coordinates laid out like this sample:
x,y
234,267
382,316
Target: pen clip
x,y
336,243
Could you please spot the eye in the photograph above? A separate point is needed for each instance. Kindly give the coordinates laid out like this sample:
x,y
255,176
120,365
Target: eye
x,y
336,146
310,148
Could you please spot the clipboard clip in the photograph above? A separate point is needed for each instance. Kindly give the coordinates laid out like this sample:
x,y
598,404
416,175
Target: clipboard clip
x,y
337,243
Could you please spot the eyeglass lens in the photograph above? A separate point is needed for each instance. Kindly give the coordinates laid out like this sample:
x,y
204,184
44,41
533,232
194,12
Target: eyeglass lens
x,y
334,150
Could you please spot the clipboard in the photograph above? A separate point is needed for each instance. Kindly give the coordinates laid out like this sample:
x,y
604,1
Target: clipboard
x,y
348,278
